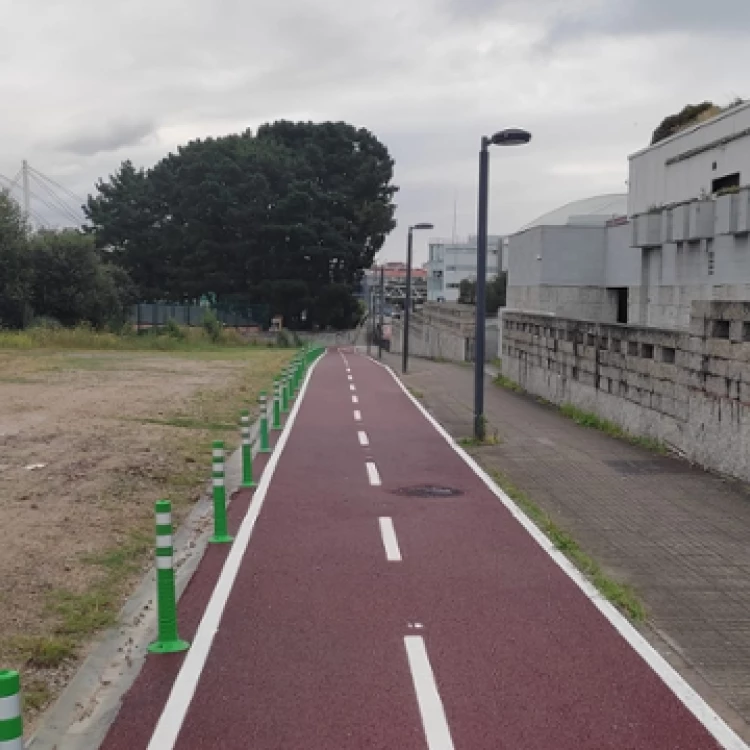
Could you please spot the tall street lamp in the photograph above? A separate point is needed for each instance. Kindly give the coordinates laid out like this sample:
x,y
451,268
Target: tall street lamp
x,y
381,308
407,304
509,137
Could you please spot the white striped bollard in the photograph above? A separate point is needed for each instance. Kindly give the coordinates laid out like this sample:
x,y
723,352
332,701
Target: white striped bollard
x,y
221,533
167,640
247,451
11,722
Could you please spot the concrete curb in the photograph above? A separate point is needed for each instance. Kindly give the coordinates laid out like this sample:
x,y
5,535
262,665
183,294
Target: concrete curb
x,y
82,715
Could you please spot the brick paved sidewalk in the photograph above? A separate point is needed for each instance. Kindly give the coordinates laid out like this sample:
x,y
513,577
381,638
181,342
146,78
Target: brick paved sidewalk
x,y
679,536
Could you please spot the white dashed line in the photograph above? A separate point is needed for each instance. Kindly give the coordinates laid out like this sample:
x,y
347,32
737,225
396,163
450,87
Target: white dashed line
x,y
435,723
350,377
390,542
363,439
355,400
357,416
372,474
352,387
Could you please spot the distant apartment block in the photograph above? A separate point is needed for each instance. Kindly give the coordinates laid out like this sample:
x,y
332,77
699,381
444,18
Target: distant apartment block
x,y
451,262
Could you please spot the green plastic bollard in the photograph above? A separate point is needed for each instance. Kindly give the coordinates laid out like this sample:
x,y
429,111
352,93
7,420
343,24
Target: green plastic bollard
x,y
265,443
167,640
247,452
221,534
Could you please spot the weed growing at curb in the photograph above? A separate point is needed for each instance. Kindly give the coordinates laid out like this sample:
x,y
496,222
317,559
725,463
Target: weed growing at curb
x,y
472,442
508,384
620,595
589,419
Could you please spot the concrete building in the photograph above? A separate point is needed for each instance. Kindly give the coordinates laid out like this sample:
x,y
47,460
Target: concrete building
x,y
575,261
681,237
451,262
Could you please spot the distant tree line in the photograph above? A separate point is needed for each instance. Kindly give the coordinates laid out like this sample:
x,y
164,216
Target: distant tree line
x,y
57,277
288,217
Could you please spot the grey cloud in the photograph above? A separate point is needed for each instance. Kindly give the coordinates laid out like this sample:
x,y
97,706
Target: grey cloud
x,y
655,17
428,77
566,20
110,137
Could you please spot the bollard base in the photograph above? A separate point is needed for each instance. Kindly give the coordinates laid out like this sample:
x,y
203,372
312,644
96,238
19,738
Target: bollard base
x,y
221,539
168,647
248,485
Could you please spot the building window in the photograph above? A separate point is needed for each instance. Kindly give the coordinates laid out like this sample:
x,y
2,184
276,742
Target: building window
x,y
723,183
711,259
452,286
450,268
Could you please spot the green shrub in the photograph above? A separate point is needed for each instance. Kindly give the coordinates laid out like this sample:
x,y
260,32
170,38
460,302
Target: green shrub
x,y
46,322
212,326
173,330
283,339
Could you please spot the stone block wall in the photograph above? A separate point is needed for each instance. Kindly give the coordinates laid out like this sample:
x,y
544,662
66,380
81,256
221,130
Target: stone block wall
x,y
430,341
689,389
445,330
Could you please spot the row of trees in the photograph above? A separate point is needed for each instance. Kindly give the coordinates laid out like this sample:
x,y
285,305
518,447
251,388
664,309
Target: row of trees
x,y
289,216
59,276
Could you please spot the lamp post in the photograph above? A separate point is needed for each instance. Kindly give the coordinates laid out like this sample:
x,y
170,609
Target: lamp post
x,y
381,314
407,303
509,137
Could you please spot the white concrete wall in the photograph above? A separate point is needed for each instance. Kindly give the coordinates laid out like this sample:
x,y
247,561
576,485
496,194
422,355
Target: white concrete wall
x,y
573,256
582,302
622,262
524,258
655,183
676,275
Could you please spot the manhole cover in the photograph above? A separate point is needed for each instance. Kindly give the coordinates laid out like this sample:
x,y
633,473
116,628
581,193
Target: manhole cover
x,y
428,490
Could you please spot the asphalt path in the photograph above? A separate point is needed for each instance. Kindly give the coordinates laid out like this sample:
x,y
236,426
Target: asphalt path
x,y
379,594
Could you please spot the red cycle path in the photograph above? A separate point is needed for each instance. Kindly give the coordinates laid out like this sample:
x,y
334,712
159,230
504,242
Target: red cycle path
x,y
310,650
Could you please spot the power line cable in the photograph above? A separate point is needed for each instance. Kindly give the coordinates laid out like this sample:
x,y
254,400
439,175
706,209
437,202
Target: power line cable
x,y
75,197
64,208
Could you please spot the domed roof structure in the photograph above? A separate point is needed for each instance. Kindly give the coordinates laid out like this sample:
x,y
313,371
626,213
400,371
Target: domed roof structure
x,y
594,211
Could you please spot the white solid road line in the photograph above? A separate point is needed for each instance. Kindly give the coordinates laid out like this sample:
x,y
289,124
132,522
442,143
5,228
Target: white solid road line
x,y
355,400
435,724
357,416
363,439
372,474
173,715
390,541
352,387
718,728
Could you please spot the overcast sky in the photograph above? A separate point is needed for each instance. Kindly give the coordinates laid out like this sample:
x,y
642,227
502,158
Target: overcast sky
x,y
87,83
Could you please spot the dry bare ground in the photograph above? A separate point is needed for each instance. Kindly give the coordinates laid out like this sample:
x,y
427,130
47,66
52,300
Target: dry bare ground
x,y
89,441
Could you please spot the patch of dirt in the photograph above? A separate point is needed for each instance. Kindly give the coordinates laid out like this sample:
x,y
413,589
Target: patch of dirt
x,y
80,468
